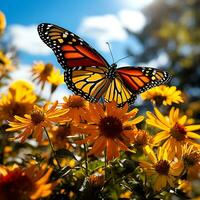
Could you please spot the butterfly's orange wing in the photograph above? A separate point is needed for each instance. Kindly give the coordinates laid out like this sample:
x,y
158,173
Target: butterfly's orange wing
x,y
140,79
70,49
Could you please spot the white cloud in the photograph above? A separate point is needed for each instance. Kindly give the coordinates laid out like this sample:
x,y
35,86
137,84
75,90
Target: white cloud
x,y
103,29
108,28
132,20
160,61
135,4
26,38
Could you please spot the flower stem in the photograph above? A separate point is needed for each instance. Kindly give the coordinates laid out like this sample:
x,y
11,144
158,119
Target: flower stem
x,y
105,162
52,148
86,160
86,157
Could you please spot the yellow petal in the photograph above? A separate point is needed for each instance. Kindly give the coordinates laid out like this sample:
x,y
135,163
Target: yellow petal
x,y
193,135
192,127
160,136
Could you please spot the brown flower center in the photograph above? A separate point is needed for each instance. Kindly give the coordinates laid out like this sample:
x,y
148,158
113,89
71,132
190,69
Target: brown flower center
x,y
162,167
16,185
159,100
191,159
47,69
110,126
178,132
37,117
75,102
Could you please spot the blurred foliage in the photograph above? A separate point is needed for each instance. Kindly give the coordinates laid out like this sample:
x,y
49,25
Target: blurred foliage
x,y
173,30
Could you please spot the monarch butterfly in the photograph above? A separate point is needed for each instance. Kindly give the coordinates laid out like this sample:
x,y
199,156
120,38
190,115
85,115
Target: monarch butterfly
x,y
89,75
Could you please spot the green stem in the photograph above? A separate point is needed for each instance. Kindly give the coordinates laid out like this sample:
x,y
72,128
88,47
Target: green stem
x,y
86,157
52,148
105,162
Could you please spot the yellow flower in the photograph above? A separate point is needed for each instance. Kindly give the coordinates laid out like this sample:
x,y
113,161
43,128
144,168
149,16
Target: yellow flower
x,y
162,168
109,129
174,131
55,78
5,65
41,72
2,22
163,95
22,85
191,160
185,186
18,101
34,123
126,195
78,107
25,183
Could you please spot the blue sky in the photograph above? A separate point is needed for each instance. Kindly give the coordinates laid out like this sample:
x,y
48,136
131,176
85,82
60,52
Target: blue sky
x,y
97,22
66,13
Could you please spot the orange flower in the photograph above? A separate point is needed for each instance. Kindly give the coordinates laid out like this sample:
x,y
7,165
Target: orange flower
x,y
141,138
110,129
29,183
35,122
174,130
59,135
78,107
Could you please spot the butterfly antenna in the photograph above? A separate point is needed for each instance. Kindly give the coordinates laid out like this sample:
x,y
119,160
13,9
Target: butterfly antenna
x,y
110,51
123,58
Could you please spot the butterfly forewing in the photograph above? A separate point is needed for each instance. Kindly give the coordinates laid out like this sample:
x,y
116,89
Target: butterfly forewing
x,y
88,82
70,49
140,79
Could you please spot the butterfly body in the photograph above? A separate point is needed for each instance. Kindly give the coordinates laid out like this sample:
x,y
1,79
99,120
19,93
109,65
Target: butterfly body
x,y
89,75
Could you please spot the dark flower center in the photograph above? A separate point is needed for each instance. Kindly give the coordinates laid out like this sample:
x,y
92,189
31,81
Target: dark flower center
x,y
178,132
37,117
159,100
75,102
191,159
47,69
162,167
16,185
110,126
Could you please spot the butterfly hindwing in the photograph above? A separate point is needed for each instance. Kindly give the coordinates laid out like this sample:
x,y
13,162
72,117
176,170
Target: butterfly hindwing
x,y
140,79
92,83
118,92
70,49
89,82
